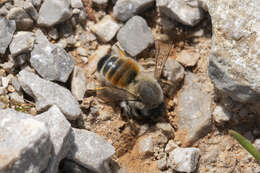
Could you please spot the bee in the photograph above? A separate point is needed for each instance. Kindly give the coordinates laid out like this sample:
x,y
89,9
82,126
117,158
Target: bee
x,y
145,96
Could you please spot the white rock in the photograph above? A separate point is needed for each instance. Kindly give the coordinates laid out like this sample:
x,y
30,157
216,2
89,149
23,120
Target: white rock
x,y
76,4
89,150
185,12
220,115
60,131
188,58
171,145
78,83
146,145
25,145
22,42
184,159
16,97
135,36
257,144
106,29
29,8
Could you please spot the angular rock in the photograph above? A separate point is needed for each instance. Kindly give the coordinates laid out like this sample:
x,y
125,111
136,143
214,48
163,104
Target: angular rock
x,y
60,131
135,36
188,58
193,111
16,97
36,3
185,12
22,42
29,8
89,150
106,29
47,93
162,163
25,145
53,12
76,4
171,145
50,61
22,19
235,57
6,33
184,159
220,115
146,146
78,83
125,9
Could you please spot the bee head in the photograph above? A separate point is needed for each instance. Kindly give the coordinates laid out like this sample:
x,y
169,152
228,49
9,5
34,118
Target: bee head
x,y
149,93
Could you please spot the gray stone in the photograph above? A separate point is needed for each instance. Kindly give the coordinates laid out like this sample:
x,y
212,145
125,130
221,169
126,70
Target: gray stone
x,y
53,12
60,131
193,111
69,166
184,159
106,29
78,83
6,33
188,58
51,61
235,57
47,93
82,51
146,145
76,4
90,150
185,12
21,59
25,145
22,42
22,19
135,36
220,115
125,9
29,8
16,84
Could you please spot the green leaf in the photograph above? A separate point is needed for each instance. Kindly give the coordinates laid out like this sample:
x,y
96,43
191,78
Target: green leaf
x,y
246,144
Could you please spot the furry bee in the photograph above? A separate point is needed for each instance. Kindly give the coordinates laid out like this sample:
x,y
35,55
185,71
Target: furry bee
x,y
145,98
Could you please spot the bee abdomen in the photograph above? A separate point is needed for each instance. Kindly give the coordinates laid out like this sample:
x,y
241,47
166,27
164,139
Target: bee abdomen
x,y
119,71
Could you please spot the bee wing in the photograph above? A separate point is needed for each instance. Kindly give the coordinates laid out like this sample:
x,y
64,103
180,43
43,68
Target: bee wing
x,y
161,58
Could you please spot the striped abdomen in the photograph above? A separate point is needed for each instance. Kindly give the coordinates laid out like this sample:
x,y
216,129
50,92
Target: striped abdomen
x,y
119,72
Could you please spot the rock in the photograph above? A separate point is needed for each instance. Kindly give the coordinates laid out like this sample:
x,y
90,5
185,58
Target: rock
x,y
22,19
29,8
220,115
184,159
165,128
174,73
47,93
16,84
6,80
53,12
6,33
146,146
106,29
53,33
162,163
185,12
188,58
78,83
171,145
125,9
22,42
16,97
135,36
51,61
82,51
25,145
257,144
235,57
193,111
68,166
60,131
76,4
89,150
